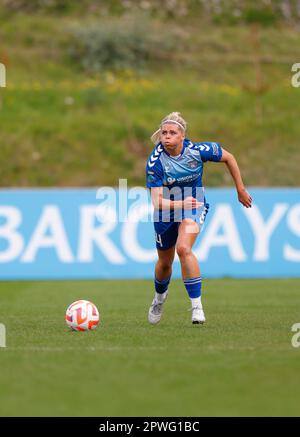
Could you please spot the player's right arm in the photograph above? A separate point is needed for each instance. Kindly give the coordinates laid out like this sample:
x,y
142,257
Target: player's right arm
x,y
165,204
155,180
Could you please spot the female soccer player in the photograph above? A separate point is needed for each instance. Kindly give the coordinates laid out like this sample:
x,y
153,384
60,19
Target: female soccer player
x,y
174,175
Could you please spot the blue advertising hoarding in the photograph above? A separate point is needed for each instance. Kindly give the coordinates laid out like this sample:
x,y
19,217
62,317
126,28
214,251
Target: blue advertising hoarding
x,y
108,233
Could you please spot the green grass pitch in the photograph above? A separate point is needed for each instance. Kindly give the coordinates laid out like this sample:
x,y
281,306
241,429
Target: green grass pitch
x,y
241,362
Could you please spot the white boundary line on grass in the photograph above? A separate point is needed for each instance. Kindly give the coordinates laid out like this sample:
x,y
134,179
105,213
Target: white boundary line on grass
x,y
2,335
85,348
132,348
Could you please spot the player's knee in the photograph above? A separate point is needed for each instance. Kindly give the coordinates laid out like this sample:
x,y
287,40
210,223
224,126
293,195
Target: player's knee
x,y
183,250
165,264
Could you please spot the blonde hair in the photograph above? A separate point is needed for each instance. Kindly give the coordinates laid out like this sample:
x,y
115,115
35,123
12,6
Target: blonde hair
x,y
173,117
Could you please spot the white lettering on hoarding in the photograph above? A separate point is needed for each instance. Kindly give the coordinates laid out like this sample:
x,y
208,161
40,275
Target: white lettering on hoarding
x,y
222,219
98,225
8,232
91,235
293,221
263,230
49,233
129,236
140,195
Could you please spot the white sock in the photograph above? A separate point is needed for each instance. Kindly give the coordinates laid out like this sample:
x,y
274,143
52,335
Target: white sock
x,y
196,302
160,297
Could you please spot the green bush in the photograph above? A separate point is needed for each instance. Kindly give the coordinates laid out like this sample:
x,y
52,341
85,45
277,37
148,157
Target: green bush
x,y
264,17
120,43
38,5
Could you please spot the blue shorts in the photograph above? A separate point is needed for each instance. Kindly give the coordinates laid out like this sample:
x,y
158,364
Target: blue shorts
x,y
166,233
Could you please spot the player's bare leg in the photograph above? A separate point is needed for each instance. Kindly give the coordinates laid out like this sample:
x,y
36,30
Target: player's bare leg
x,y
163,267
163,271
187,235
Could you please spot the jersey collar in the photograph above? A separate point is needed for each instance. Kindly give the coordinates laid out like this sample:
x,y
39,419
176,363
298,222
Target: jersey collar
x,y
186,143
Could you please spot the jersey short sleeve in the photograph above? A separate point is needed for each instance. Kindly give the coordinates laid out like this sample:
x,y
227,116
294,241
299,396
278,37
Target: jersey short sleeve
x,y
209,151
154,174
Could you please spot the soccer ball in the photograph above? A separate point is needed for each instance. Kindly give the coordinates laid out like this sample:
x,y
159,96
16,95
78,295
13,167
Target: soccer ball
x,y
82,315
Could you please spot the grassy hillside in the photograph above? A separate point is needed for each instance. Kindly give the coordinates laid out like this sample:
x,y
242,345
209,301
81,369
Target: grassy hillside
x,y
62,125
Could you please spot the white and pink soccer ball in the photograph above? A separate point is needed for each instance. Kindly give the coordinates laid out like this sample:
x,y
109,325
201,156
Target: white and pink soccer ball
x,y
82,315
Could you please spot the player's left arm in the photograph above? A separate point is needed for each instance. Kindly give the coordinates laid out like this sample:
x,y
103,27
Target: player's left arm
x,y
243,196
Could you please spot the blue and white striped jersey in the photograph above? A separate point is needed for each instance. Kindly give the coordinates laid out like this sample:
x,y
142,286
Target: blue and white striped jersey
x,y
182,175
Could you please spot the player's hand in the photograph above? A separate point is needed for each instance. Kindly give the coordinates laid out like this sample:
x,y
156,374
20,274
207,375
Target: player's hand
x,y
191,203
245,198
